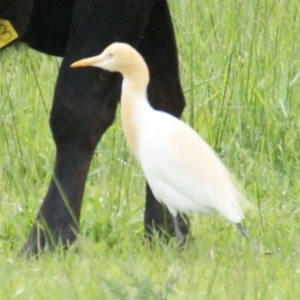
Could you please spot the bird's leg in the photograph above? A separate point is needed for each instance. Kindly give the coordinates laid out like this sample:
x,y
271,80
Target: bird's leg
x,y
243,230
159,220
178,233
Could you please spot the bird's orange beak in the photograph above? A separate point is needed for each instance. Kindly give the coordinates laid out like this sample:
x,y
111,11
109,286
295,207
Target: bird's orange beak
x,y
86,62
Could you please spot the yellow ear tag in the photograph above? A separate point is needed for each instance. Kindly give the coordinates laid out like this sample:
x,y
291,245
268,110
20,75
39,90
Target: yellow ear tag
x,y
7,33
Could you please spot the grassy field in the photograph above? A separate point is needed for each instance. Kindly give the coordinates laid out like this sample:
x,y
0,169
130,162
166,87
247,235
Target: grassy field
x,y
240,72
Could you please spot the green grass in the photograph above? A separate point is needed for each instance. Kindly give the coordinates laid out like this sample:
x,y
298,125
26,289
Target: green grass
x,y
240,67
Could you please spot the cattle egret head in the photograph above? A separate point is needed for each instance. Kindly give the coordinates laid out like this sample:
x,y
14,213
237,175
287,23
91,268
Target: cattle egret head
x,y
182,170
118,57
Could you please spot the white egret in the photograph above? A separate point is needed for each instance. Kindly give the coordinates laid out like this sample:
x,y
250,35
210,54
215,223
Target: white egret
x,y
182,170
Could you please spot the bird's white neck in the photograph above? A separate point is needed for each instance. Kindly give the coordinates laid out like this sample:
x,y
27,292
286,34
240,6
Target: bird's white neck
x,y
134,105
136,75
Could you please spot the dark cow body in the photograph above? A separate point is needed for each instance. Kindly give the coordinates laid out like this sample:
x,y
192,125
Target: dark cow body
x,y
85,100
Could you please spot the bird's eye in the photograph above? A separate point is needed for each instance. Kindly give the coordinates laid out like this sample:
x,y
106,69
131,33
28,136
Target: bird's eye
x,y
110,55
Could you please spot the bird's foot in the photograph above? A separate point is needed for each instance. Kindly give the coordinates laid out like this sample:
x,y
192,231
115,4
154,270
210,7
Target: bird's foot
x,y
255,245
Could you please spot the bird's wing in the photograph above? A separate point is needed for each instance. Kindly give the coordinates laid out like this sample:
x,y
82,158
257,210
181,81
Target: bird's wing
x,y
178,161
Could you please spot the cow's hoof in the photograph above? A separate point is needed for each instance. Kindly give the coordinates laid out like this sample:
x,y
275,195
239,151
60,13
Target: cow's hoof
x,y
40,240
164,228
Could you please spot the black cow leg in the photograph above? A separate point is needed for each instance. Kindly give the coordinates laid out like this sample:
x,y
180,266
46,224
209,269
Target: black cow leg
x,y
58,218
159,49
79,117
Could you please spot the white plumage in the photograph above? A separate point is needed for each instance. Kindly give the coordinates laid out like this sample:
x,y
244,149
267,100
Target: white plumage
x,y
182,170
